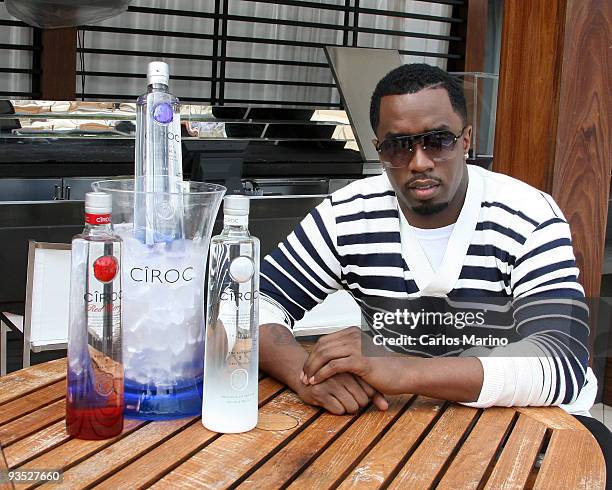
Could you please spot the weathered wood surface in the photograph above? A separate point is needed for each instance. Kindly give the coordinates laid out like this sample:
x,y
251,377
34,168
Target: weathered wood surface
x,y
376,467
329,468
28,403
477,453
519,456
3,468
428,460
419,442
19,383
569,450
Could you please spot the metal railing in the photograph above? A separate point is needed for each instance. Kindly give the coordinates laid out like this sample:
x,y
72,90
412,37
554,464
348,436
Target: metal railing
x,y
27,66
221,39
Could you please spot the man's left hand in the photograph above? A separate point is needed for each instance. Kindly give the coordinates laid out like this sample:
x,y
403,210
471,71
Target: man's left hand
x,y
342,352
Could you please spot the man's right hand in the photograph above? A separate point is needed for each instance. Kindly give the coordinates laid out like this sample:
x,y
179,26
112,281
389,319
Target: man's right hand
x,y
342,393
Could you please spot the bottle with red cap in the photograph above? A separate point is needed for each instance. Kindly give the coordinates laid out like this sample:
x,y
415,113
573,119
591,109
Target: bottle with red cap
x,y
94,398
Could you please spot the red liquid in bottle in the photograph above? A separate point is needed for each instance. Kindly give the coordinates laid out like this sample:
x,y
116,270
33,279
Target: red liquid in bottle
x,y
94,423
94,399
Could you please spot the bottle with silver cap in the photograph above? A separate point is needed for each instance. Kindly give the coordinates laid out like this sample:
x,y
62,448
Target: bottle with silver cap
x,y
94,397
158,169
231,348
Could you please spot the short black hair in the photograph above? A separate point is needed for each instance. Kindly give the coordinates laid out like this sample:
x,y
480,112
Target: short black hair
x,y
412,78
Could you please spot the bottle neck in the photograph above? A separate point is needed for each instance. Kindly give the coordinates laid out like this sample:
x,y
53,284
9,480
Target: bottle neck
x,y
157,87
98,223
236,224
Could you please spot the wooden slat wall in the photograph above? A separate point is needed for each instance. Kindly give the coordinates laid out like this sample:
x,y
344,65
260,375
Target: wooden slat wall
x,y
553,115
528,96
583,160
58,64
553,128
476,35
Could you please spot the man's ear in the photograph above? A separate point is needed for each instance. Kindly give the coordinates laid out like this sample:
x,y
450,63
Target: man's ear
x,y
467,138
375,143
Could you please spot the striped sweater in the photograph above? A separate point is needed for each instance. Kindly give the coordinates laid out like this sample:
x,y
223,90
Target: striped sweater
x,y
510,242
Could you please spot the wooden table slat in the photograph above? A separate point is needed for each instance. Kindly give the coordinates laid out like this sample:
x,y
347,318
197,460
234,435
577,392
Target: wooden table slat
x,y
340,457
268,388
75,450
122,452
31,423
155,464
24,381
557,419
473,459
4,467
290,460
424,466
569,450
28,403
35,444
152,466
228,458
376,467
518,456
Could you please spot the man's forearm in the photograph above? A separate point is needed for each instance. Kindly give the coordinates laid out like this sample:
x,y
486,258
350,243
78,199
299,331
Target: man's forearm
x,y
456,379
280,355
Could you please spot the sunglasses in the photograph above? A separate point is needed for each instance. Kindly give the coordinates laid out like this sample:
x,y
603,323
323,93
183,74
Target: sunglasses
x,y
397,151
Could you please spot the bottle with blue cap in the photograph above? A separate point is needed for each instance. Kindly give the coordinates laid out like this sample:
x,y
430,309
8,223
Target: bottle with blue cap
x,y
158,169
232,321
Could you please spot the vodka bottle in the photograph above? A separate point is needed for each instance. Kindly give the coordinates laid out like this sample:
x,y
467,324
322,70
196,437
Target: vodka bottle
x,y
231,346
159,172
94,399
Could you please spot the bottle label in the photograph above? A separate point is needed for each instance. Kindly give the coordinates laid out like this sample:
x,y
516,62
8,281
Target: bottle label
x,y
236,310
241,269
239,379
232,220
165,276
105,268
97,219
103,300
163,113
101,305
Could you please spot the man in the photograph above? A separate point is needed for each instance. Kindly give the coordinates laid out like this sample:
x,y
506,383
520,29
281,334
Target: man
x,y
430,225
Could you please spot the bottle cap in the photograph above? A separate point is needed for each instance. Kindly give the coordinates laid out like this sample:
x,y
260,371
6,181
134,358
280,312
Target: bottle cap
x,y
158,72
236,205
98,203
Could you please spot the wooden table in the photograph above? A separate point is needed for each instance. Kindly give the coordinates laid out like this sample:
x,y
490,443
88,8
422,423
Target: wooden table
x,y
418,443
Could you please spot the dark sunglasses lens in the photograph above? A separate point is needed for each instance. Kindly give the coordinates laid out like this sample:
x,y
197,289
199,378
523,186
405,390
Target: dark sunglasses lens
x,y
396,151
439,145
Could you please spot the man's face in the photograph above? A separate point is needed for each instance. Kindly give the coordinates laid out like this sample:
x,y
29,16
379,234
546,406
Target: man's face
x,y
429,191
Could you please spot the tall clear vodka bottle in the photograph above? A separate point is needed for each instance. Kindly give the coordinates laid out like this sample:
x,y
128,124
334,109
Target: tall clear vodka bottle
x,y
158,172
231,347
94,398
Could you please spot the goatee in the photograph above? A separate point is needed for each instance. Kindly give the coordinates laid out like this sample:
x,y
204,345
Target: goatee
x,y
426,209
